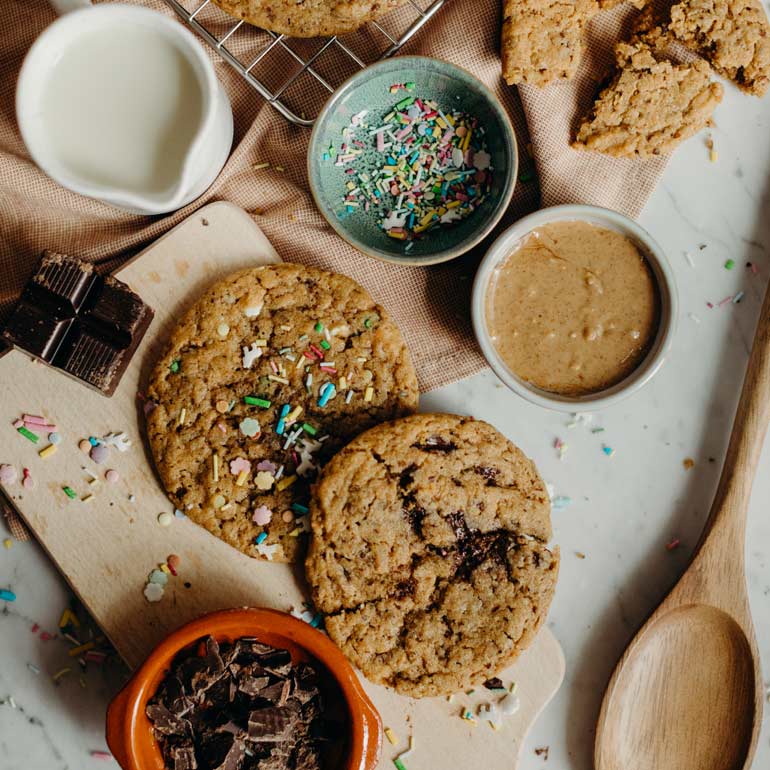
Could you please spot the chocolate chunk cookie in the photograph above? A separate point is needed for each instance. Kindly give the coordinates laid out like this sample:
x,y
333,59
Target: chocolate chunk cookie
x,y
428,553
265,378
308,18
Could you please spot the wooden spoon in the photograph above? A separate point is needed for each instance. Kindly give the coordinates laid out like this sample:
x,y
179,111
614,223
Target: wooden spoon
x,y
687,693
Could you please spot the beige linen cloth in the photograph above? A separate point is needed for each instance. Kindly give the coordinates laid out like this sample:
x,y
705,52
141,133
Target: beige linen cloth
x,y
430,304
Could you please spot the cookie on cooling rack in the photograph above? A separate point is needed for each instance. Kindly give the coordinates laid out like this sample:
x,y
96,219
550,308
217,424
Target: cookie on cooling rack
x,y
428,554
310,18
266,377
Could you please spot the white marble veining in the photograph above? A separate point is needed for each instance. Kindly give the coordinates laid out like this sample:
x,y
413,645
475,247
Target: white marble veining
x,y
624,510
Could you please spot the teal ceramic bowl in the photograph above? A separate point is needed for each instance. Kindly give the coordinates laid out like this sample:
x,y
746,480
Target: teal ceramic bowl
x,y
452,88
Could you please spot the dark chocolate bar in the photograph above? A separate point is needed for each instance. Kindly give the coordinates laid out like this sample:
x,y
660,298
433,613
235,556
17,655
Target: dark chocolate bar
x,y
83,323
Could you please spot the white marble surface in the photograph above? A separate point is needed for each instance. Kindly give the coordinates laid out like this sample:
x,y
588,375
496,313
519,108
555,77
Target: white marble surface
x,y
624,510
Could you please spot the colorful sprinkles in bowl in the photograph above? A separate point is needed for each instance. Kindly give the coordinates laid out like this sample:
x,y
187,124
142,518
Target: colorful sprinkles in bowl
x,y
420,167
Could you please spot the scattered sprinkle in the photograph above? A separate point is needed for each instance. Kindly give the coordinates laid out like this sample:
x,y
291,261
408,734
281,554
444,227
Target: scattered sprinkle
x,y
688,463
672,545
729,264
112,476
28,434
48,451
391,736
165,519
70,492
8,474
54,437
7,596
608,450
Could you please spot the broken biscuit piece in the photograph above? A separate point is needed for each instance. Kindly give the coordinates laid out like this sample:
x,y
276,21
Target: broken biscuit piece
x,y
650,106
542,40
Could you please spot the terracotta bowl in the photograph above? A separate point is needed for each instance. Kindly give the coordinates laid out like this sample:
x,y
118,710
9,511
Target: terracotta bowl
x,y
129,732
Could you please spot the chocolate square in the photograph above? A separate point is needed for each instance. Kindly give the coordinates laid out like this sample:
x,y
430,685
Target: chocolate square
x,y
78,321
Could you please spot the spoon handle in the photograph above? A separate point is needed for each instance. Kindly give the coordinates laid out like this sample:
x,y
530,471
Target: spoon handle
x,y
727,520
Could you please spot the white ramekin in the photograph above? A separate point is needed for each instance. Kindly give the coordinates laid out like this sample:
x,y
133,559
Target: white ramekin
x,y
664,277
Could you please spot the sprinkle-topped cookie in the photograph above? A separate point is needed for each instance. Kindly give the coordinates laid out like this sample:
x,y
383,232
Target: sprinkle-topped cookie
x,y
246,418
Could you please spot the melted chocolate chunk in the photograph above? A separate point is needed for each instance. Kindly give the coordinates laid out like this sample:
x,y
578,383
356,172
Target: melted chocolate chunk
x,y
436,444
78,321
240,706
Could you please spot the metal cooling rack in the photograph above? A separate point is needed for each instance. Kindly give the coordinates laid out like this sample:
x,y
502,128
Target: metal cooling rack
x,y
296,75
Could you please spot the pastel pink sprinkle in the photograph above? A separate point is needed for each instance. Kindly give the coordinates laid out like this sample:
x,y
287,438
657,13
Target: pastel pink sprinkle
x,y
262,515
112,476
266,465
8,474
28,482
239,465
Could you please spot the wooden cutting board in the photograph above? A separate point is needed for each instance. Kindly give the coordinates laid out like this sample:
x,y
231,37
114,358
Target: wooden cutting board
x,y
106,547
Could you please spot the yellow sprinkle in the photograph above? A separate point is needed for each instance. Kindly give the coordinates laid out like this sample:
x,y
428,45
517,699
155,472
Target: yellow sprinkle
x,y
301,360
275,378
75,651
164,568
280,168
441,123
48,451
260,343
428,217
67,617
467,140
182,416
399,236
449,119
368,393
295,532
421,228
59,674
343,383
7,542
293,414
87,498
216,467
241,480
713,156
285,482
258,166
390,735
93,482
452,204
494,726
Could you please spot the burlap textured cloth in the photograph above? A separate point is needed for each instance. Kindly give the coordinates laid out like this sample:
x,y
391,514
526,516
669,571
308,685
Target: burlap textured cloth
x,y
430,304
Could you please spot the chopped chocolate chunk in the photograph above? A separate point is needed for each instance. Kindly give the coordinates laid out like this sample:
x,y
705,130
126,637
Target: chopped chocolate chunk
x,y
183,758
270,725
87,325
495,683
239,706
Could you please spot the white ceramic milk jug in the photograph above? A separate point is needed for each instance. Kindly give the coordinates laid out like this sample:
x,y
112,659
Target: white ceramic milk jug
x,y
120,103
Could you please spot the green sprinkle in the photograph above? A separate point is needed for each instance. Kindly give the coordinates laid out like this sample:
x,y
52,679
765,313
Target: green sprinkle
x,y
526,176
405,103
325,345
399,764
410,86
70,492
368,323
309,429
299,508
174,365
33,437
730,264
254,401
319,327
